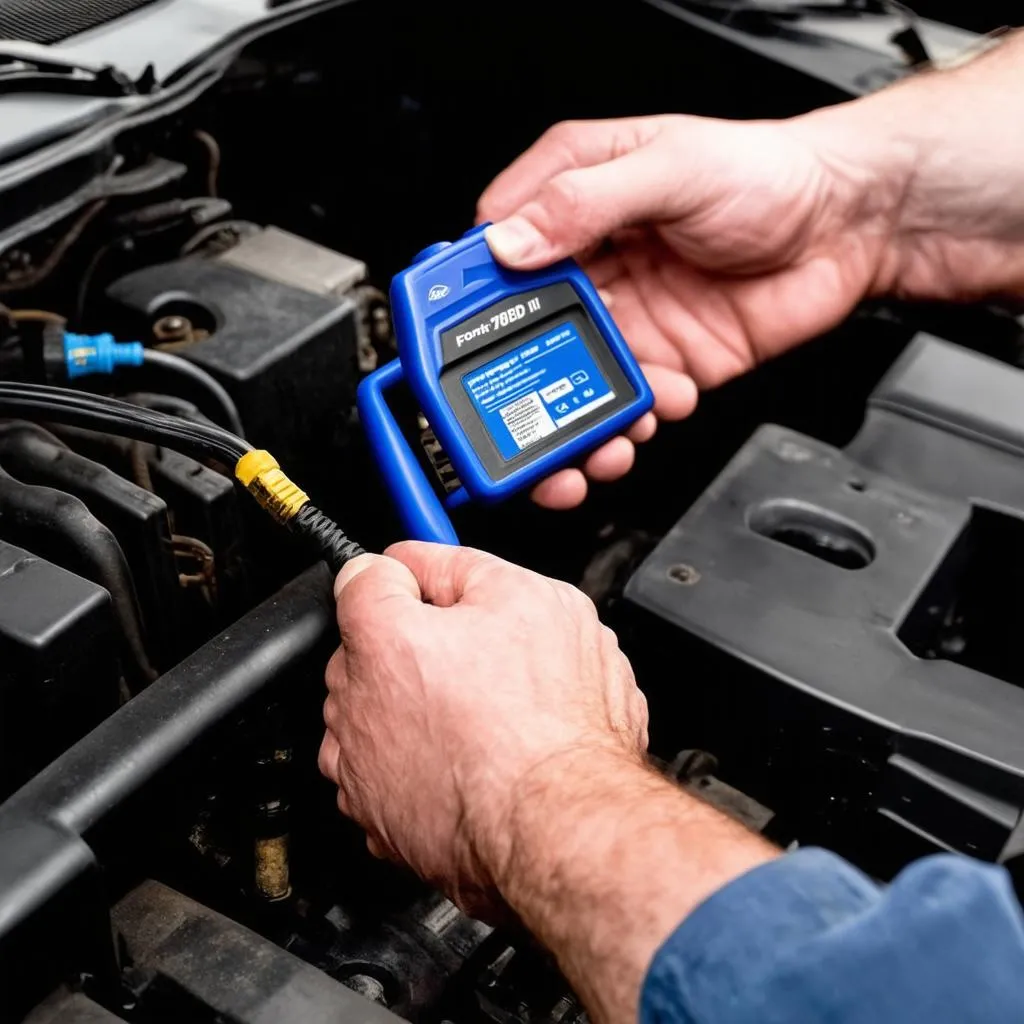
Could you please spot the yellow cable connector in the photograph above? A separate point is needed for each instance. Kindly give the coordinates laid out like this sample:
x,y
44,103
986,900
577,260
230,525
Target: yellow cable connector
x,y
260,474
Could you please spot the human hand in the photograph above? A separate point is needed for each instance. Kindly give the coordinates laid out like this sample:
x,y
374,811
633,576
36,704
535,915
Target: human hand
x,y
463,680
717,244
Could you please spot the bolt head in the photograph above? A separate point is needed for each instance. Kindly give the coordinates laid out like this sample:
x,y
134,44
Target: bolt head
x,y
684,575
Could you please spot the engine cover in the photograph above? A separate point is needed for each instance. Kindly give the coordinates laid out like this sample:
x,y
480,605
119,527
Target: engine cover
x,y
58,674
287,356
871,599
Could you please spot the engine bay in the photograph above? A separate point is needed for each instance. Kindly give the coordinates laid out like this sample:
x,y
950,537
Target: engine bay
x,y
825,637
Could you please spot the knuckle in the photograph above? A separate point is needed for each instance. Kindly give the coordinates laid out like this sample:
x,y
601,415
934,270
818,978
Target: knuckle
x,y
480,569
611,641
581,602
628,674
562,132
563,201
487,208
325,759
335,674
330,715
465,559
406,547
574,600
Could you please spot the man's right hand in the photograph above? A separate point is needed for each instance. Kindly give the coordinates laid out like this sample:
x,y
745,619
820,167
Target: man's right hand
x,y
717,244
722,243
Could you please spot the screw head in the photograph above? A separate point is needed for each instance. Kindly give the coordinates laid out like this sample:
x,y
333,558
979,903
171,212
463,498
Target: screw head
x,y
173,328
684,575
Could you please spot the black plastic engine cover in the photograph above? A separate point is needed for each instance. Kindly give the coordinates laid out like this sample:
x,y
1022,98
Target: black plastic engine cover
x,y
136,517
287,357
872,598
58,672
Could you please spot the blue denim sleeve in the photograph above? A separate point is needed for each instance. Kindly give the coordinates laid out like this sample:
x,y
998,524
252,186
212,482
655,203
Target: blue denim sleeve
x,y
808,939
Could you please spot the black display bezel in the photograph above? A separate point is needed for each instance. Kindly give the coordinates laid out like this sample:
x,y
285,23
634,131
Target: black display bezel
x,y
471,421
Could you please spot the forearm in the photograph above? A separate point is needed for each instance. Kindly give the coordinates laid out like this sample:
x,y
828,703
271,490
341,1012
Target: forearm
x,y
606,858
639,888
947,150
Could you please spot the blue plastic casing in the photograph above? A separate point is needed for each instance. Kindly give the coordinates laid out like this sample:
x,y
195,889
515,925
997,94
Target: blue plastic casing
x,y
447,286
85,354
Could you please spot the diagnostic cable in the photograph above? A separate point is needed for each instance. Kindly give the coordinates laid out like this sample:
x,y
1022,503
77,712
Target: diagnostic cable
x,y
257,470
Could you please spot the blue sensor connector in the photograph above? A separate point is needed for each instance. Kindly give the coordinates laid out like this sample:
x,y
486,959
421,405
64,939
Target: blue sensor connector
x,y
99,353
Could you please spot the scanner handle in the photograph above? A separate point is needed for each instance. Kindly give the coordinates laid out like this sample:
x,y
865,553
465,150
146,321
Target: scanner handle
x,y
421,511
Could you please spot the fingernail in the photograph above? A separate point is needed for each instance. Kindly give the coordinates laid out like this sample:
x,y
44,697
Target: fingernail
x,y
515,240
606,297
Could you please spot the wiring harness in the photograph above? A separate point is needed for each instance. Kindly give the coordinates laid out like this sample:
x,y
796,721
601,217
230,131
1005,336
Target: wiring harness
x,y
255,469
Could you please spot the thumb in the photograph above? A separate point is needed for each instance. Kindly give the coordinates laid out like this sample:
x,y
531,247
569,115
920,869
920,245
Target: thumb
x,y
367,588
446,575
578,208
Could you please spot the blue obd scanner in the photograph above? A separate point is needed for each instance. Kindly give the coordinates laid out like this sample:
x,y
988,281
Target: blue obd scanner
x,y
518,374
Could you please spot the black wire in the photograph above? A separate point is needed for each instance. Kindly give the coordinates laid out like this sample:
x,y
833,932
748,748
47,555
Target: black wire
x,y
175,365
96,412
172,404
200,440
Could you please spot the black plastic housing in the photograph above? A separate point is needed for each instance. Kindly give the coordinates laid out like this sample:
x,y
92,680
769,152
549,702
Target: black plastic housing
x,y
91,803
853,615
286,356
136,517
58,672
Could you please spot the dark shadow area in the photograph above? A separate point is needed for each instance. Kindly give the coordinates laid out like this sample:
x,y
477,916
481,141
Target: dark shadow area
x,y
815,531
972,610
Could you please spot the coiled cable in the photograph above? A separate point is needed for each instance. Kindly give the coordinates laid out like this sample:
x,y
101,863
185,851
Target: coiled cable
x,y
324,536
